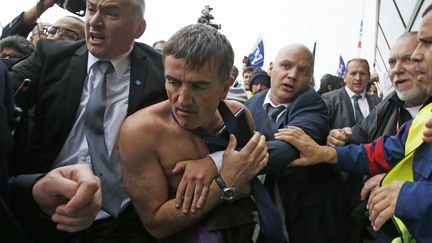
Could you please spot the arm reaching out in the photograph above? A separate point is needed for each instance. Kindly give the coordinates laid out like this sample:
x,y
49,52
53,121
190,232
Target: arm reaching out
x,y
339,137
311,153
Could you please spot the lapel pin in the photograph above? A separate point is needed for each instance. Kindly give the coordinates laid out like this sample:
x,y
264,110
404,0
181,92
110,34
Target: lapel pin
x,y
138,82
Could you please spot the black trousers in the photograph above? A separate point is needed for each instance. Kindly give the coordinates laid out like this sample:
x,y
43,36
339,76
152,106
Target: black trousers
x,y
127,228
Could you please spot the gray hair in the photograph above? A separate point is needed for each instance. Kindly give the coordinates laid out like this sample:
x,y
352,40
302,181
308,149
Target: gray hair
x,y
140,7
199,45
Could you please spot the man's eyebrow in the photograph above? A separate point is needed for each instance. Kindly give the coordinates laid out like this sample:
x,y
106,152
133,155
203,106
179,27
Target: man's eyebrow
x,y
201,82
171,78
188,81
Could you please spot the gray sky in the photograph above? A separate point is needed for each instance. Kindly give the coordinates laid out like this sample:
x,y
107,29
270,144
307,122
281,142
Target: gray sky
x,y
333,24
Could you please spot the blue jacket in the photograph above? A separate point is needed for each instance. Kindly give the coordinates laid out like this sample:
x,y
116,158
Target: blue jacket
x,y
313,197
414,204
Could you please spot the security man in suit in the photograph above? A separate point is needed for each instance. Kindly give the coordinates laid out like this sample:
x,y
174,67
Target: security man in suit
x,y
108,69
310,201
348,106
47,193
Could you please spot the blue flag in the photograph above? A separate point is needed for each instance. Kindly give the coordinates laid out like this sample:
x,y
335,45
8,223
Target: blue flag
x,y
341,68
256,57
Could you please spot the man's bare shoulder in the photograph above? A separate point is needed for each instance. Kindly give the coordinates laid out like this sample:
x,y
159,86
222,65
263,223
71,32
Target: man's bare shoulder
x,y
234,105
148,117
139,133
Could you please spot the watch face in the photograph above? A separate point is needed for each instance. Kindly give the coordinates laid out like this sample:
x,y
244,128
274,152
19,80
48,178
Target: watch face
x,y
228,193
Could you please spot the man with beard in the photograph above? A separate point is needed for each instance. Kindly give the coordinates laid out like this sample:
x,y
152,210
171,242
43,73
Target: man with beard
x,y
387,118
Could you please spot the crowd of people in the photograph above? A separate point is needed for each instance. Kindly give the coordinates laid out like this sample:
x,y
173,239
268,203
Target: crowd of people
x,y
106,139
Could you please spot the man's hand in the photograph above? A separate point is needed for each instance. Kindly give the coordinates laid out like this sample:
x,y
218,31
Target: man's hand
x,y
311,153
339,137
370,185
382,203
427,133
71,195
239,167
195,183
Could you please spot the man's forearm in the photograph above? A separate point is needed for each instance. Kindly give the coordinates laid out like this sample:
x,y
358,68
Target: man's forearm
x,y
31,15
169,220
329,154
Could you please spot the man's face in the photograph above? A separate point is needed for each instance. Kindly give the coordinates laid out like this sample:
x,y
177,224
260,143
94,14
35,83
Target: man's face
x,y
357,76
258,87
112,26
246,78
423,55
291,73
10,53
66,29
373,90
194,94
402,70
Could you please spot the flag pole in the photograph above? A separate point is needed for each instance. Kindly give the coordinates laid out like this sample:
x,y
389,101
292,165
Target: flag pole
x,y
359,44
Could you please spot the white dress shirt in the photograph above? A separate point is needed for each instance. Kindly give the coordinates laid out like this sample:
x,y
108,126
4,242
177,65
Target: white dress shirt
x,y
75,150
363,103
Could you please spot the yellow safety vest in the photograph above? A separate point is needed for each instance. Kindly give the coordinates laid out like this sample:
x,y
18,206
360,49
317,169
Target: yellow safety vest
x,y
403,171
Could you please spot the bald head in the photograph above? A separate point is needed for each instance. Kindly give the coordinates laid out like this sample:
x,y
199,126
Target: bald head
x,y
291,73
297,48
68,28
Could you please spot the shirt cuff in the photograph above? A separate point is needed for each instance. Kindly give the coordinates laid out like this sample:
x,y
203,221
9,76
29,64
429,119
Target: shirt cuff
x,y
217,158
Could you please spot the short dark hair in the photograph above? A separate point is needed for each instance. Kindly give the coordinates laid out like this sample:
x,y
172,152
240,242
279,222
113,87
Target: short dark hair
x,y
428,9
19,43
329,80
358,60
248,69
199,45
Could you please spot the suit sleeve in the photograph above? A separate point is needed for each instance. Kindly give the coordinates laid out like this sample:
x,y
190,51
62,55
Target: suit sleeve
x,y
329,105
360,132
308,112
30,68
17,27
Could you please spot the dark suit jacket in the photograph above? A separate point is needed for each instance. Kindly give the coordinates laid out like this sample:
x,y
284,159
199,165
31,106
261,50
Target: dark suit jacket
x,y
341,112
10,230
58,70
312,196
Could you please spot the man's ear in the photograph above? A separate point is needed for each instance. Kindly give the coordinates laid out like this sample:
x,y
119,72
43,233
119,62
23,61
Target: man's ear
x,y
142,25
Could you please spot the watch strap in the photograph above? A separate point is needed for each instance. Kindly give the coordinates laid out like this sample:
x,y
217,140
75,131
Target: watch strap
x,y
221,183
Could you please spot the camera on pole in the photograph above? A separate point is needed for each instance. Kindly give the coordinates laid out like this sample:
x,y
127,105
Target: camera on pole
x,y
206,17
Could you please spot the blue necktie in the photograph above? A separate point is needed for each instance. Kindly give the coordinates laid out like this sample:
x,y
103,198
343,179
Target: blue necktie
x,y
357,112
94,131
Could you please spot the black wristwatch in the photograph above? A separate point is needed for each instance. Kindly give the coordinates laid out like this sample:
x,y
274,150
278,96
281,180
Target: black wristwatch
x,y
228,193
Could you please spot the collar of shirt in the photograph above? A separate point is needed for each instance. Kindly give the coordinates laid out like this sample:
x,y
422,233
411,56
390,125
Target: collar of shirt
x,y
120,63
351,93
267,101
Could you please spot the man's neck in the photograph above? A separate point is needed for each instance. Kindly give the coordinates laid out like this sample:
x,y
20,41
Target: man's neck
x,y
416,102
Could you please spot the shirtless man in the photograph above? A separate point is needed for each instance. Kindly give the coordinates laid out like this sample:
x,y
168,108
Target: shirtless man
x,y
155,138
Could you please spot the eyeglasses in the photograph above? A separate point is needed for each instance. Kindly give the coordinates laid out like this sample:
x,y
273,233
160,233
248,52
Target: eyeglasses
x,y
66,34
10,55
